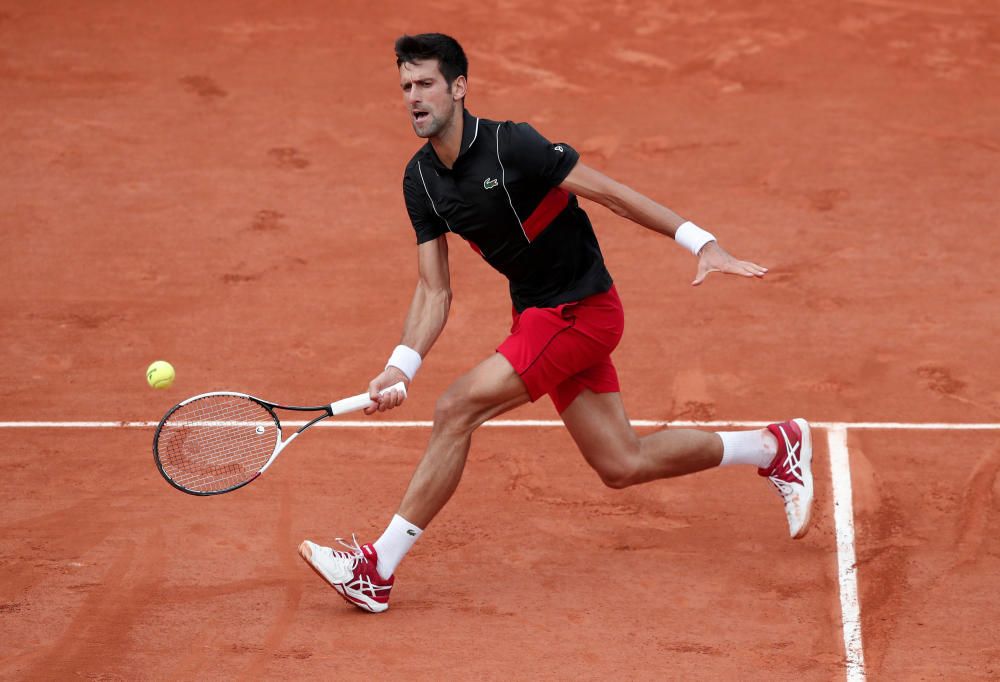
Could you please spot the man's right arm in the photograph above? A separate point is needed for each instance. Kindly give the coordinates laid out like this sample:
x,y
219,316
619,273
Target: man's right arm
x,y
425,320
432,299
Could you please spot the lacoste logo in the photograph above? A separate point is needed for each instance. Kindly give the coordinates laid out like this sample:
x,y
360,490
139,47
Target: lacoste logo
x,y
490,183
410,531
559,148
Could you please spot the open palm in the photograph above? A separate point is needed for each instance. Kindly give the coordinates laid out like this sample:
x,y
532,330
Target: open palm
x,y
714,258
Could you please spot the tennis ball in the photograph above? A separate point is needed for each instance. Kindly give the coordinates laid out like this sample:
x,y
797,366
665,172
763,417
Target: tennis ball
x,y
160,374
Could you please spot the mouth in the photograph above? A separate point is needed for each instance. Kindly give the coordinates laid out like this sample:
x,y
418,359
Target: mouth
x,y
419,116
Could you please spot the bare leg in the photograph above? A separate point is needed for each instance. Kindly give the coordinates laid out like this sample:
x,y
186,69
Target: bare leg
x,y
600,427
488,390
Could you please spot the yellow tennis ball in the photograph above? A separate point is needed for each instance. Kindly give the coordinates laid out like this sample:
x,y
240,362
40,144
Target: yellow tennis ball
x,y
160,374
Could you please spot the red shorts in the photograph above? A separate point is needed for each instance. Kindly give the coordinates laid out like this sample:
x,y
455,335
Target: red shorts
x,y
563,350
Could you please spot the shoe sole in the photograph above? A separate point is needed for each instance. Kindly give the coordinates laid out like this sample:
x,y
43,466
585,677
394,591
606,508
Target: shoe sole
x,y
805,461
305,551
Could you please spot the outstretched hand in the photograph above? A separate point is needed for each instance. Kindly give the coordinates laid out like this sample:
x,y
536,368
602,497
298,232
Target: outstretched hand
x,y
390,399
714,258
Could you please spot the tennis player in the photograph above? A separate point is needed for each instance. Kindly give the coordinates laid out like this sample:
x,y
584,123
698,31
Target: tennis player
x,y
513,197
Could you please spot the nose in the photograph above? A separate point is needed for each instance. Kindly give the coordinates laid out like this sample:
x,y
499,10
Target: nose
x,y
412,96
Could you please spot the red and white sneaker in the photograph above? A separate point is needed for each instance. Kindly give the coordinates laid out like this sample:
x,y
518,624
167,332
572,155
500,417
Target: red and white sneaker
x,y
353,573
791,473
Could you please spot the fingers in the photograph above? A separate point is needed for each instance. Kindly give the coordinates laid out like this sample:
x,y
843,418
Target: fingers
x,y
742,268
390,399
383,400
751,269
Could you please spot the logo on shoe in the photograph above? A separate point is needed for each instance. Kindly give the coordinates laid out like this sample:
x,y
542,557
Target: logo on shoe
x,y
792,460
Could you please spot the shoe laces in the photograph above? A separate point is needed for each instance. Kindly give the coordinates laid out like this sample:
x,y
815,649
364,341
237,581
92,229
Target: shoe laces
x,y
349,559
785,488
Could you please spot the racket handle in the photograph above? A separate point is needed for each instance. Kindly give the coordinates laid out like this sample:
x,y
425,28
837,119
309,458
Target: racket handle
x,y
361,401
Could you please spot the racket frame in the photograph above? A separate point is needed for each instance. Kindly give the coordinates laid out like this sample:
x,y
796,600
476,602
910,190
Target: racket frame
x,y
352,404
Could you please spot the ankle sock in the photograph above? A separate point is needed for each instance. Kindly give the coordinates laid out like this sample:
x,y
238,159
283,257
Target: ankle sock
x,y
748,447
395,542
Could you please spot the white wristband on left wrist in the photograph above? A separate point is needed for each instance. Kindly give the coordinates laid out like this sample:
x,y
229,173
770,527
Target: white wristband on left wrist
x,y
692,237
406,360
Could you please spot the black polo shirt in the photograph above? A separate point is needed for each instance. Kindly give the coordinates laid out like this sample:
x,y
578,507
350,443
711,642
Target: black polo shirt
x,y
503,197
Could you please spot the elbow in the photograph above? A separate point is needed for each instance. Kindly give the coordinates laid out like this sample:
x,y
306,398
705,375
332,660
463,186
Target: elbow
x,y
617,206
614,203
434,288
440,295
614,197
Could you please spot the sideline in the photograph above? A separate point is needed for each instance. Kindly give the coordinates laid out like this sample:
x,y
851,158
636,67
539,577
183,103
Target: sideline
x,y
847,569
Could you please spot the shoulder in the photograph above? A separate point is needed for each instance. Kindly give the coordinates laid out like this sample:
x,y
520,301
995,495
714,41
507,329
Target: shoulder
x,y
518,132
413,181
503,127
510,135
418,156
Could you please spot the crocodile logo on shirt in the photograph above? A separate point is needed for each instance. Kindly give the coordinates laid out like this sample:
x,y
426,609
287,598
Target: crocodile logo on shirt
x,y
490,183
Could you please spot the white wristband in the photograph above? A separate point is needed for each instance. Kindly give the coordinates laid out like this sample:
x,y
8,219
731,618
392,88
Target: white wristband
x,y
406,360
692,237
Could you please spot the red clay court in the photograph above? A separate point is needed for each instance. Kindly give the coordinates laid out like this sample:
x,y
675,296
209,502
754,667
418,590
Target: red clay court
x,y
218,184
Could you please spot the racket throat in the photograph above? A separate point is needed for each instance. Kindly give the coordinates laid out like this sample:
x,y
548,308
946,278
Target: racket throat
x,y
277,450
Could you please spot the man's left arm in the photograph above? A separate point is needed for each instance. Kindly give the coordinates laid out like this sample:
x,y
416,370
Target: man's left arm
x,y
626,202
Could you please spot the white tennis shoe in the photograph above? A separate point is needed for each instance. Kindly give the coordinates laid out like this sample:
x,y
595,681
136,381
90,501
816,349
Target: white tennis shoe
x,y
791,473
352,573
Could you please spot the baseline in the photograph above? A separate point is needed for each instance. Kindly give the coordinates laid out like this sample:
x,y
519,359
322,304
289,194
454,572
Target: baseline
x,y
531,423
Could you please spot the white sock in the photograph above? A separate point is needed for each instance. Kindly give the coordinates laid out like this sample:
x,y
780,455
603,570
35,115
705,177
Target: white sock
x,y
748,447
395,542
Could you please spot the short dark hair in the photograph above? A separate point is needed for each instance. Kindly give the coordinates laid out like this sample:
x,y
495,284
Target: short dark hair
x,y
445,49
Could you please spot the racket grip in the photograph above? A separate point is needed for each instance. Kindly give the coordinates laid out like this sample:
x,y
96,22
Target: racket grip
x,y
361,401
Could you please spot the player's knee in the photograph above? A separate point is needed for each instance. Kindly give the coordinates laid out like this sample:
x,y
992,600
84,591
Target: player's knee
x,y
618,472
453,412
616,479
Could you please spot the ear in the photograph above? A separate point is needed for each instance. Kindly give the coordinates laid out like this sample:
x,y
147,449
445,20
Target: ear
x,y
458,88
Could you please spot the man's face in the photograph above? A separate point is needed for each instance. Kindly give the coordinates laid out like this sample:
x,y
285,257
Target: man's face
x,y
427,97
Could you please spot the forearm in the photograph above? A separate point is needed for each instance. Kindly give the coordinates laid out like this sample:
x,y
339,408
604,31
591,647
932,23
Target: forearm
x,y
622,199
642,210
426,318
626,202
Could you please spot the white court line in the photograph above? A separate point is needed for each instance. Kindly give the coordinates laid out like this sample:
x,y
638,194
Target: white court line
x,y
533,423
840,471
847,569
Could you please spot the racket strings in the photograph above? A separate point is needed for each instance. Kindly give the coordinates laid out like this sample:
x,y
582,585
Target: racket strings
x,y
216,442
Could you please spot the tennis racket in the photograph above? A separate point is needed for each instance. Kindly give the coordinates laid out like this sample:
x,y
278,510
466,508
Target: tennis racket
x,y
214,443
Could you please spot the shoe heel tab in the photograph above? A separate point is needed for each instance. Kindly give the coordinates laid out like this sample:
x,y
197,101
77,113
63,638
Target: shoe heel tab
x,y
791,428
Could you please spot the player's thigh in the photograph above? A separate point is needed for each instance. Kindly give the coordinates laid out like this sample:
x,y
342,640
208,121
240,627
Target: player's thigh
x,y
601,429
490,388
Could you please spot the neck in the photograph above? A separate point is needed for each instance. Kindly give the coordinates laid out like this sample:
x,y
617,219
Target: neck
x,y
448,143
